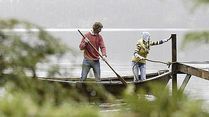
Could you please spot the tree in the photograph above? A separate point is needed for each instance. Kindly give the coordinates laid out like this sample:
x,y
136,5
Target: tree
x,y
20,52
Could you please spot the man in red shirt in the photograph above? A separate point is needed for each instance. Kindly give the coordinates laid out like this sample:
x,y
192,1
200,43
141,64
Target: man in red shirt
x,y
91,57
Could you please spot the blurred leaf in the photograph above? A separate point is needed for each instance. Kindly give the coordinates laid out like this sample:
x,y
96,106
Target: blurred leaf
x,y
22,105
195,38
162,105
26,49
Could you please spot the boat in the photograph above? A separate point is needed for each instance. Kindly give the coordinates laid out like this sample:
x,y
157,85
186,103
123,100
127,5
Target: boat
x,y
113,84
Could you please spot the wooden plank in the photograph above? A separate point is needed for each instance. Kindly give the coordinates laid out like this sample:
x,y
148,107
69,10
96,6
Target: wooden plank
x,y
185,82
192,70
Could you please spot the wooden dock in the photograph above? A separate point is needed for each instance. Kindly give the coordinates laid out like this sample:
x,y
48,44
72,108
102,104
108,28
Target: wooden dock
x,y
180,68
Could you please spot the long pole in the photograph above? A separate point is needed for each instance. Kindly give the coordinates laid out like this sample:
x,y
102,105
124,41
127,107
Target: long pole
x,y
119,77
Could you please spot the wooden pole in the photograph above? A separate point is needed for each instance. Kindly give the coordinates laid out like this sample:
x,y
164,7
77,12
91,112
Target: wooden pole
x,y
174,59
185,82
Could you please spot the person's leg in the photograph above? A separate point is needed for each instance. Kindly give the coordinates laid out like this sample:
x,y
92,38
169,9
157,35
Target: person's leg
x,y
135,70
96,69
143,71
85,69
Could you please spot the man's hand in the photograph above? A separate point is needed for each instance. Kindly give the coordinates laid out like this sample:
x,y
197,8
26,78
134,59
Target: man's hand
x,y
86,40
104,58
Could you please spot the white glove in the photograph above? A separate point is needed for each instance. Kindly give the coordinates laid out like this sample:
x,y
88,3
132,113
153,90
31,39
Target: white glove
x,y
86,40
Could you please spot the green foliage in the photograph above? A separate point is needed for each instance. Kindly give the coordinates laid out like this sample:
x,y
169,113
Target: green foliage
x,y
195,37
137,104
42,91
200,2
161,105
195,4
22,105
22,51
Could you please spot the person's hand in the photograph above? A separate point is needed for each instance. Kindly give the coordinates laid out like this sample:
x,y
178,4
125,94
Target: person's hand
x,y
86,40
104,58
140,57
165,40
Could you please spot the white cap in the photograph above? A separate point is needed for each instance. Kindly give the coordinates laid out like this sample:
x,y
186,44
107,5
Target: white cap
x,y
145,36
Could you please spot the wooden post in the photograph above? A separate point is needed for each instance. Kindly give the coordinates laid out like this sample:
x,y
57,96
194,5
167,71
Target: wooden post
x,y
174,59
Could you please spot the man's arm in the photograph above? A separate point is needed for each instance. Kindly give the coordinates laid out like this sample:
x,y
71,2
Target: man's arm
x,y
83,43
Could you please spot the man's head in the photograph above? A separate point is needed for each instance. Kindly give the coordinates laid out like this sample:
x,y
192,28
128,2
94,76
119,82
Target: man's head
x,y
146,36
97,27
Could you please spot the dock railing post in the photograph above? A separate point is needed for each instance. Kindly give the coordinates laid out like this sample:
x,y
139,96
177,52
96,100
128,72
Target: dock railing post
x,y
173,69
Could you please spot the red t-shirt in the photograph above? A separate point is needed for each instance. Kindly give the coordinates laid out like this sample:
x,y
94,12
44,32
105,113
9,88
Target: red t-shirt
x,y
97,42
